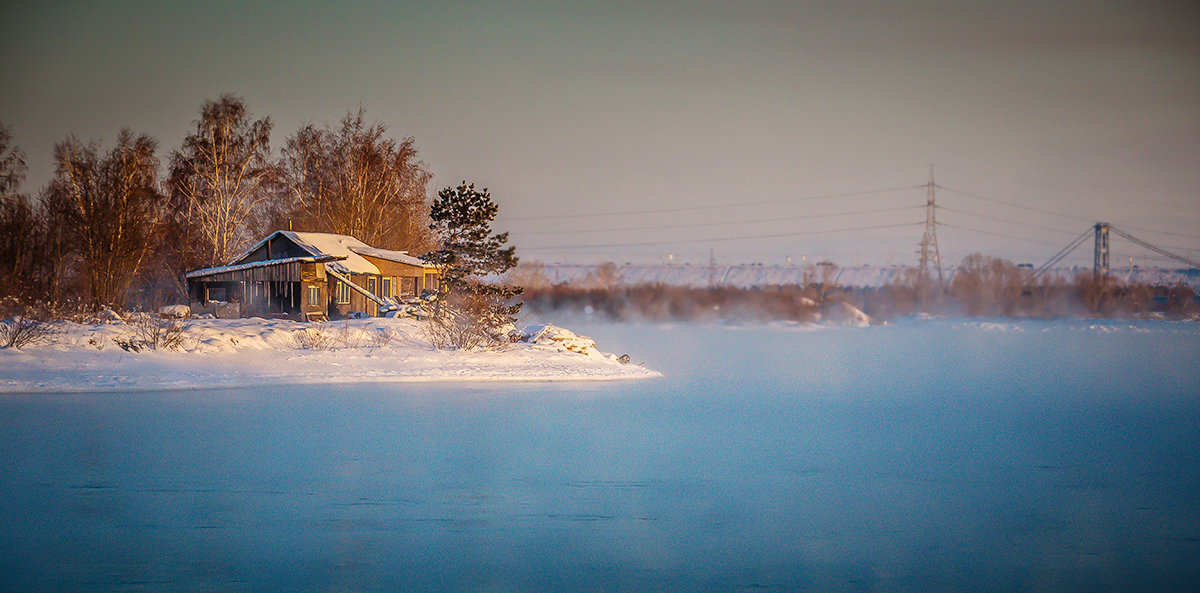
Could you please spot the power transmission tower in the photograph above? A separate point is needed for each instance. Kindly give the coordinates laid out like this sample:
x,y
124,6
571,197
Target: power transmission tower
x,y
1100,258
712,269
929,243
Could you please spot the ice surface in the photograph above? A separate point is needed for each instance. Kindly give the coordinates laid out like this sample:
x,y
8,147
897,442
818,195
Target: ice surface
x,y
924,455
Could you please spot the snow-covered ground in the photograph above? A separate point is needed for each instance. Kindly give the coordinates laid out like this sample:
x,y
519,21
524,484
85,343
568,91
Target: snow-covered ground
x,y
243,352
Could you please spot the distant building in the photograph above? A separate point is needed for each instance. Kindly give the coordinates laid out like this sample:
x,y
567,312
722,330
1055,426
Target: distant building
x,y
307,276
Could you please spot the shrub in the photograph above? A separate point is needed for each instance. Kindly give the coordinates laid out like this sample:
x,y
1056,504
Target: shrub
x,y
467,322
151,333
316,337
19,332
381,338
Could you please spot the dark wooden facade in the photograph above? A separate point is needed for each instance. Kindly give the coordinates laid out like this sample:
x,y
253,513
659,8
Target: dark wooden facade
x,y
279,278
297,289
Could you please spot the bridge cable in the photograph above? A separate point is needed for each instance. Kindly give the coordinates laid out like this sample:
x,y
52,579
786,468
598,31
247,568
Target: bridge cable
x,y
1060,255
1154,248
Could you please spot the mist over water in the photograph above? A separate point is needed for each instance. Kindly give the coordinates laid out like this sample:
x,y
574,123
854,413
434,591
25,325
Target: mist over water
x,y
926,455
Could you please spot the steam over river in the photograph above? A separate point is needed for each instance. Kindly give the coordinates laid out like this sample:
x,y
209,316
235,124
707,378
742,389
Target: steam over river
x,y
928,455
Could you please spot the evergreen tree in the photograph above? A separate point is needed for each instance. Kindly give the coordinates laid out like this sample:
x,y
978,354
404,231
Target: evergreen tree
x,y
462,219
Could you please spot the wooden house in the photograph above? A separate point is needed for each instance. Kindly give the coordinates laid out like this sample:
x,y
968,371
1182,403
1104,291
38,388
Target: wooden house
x,y
310,276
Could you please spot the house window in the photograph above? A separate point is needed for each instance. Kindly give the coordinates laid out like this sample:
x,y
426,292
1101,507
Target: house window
x,y
408,286
343,293
314,296
387,286
373,285
215,293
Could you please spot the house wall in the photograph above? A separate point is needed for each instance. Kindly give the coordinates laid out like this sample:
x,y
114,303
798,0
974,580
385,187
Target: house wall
x,y
419,276
279,247
358,303
271,290
314,276
286,288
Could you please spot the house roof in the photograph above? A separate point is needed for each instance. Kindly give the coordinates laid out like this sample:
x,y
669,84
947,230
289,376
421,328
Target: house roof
x,y
346,249
257,264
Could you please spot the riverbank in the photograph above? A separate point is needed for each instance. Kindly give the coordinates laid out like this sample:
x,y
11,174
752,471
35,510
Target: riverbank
x,y
222,353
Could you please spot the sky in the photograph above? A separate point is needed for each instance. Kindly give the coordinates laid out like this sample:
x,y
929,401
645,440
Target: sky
x,y
757,132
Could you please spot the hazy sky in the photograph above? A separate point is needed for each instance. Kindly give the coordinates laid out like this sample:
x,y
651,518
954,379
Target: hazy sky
x,y
705,126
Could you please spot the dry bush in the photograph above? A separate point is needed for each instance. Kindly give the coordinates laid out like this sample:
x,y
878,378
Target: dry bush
x,y
664,302
316,337
151,333
322,337
20,332
467,322
986,285
528,275
605,277
381,338
455,332
348,337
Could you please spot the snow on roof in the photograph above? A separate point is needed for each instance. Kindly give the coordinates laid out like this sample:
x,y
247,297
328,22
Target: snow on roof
x,y
397,256
331,244
255,264
344,247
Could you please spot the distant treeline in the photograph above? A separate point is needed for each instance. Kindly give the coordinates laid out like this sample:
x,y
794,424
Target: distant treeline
x,y
120,226
981,286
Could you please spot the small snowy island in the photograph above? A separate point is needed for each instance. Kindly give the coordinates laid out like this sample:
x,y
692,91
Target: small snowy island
x,y
221,353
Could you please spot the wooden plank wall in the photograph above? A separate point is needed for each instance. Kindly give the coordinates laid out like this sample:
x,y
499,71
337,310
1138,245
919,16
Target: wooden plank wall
x,y
289,272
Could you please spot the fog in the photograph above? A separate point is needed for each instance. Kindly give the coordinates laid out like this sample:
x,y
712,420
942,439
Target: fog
x,y
923,455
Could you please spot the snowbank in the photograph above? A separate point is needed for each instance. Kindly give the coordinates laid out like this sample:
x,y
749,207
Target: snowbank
x,y
246,352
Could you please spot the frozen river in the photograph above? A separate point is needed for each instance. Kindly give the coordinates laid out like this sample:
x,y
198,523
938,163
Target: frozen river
x,y
922,456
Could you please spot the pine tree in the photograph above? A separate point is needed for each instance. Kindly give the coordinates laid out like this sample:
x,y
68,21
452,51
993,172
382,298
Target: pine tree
x,y
462,219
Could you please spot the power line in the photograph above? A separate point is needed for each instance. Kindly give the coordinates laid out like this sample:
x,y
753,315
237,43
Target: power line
x,y
715,207
994,234
1184,235
723,239
1014,205
720,223
1005,220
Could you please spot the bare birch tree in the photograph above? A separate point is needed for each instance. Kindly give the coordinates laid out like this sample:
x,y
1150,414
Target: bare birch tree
x,y
357,181
220,182
108,208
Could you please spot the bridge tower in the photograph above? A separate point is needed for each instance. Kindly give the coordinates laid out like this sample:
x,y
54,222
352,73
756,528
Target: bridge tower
x,y
1100,259
929,244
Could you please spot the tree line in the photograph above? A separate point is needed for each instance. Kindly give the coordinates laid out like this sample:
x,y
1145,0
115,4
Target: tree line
x,y
120,226
982,286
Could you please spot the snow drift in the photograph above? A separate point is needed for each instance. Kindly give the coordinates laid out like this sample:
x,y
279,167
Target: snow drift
x,y
243,352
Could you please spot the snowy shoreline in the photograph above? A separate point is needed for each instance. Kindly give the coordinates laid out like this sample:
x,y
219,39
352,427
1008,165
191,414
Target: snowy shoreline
x,y
252,352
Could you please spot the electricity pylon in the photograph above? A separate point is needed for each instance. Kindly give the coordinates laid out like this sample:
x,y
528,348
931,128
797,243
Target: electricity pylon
x,y
929,244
